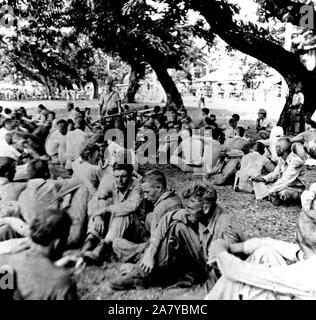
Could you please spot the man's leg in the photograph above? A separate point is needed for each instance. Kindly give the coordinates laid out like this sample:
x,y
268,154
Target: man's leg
x,y
128,251
180,254
94,237
117,227
225,289
127,227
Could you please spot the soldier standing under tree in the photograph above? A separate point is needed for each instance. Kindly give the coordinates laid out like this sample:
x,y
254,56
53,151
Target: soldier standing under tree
x,y
110,102
297,117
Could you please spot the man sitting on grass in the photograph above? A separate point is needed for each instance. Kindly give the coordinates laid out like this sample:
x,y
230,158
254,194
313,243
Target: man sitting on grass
x,y
252,165
182,242
266,275
163,200
113,213
285,183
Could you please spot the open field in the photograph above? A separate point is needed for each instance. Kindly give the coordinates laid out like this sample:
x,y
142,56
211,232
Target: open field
x,y
261,219
248,109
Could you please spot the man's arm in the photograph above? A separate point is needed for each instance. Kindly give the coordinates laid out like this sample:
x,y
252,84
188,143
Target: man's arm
x,y
147,263
225,230
269,166
274,175
129,206
298,138
288,279
265,124
289,176
285,249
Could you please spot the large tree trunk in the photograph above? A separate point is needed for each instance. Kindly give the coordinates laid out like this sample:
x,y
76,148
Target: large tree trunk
x,y
133,86
172,92
262,46
308,84
96,88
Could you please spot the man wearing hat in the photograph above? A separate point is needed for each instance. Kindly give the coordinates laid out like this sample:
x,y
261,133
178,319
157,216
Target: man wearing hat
x,y
110,102
263,125
265,275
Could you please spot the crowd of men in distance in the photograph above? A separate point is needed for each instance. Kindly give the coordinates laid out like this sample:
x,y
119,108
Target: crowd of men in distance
x,y
105,207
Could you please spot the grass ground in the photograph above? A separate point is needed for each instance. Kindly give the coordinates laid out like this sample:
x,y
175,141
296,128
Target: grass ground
x,y
257,219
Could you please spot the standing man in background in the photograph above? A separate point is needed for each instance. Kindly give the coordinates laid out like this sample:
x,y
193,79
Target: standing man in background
x,y
296,111
110,102
201,96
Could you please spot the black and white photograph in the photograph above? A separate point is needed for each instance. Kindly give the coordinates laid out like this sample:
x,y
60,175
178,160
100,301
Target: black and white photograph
x,y
157,151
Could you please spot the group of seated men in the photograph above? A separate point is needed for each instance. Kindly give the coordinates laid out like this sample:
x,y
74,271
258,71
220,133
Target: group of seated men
x,y
107,209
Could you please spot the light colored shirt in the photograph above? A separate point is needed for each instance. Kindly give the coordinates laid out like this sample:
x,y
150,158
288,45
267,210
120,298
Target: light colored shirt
x,y
114,152
109,101
53,142
296,280
265,124
9,151
286,174
3,133
238,143
10,191
305,137
119,204
215,153
73,115
298,99
89,174
74,142
252,165
192,149
230,133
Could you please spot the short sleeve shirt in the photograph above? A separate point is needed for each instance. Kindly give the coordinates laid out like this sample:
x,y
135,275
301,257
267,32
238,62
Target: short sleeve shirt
x,y
109,101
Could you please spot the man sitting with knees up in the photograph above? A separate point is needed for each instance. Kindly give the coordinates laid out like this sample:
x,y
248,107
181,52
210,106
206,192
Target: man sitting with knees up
x,y
154,186
182,242
114,214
